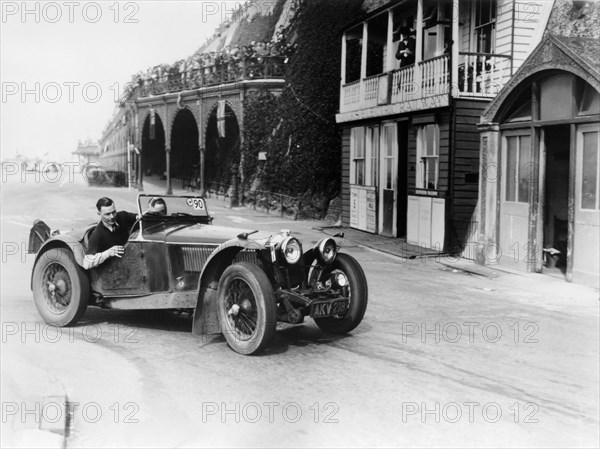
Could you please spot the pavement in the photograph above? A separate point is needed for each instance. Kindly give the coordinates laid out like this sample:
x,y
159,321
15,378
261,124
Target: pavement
x,y
34,405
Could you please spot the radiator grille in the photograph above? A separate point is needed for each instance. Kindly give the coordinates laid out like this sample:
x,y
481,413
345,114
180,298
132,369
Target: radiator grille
x,y
194,257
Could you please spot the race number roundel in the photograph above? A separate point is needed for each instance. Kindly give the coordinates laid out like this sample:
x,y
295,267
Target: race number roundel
x,y
196,203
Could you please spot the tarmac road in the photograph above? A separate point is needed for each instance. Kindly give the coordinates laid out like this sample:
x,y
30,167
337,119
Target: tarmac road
x,y
441,358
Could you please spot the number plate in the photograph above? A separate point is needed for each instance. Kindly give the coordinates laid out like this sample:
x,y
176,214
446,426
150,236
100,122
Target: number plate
x,y
328,308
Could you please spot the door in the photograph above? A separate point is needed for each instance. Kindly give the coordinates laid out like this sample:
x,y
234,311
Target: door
x,y
402,187
387,192
123,276
516,183
586,229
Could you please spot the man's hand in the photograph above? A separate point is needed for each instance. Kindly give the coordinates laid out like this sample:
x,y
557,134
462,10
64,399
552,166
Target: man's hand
x,y
115,251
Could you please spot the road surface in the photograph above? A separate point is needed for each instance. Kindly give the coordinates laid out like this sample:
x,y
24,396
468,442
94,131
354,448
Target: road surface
x,y
442,358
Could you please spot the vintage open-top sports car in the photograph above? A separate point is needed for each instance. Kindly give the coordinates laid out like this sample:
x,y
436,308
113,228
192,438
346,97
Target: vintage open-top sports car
x,y
237,282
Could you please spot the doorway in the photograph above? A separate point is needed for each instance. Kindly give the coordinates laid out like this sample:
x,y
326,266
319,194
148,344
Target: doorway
x,y
387,188
557,143
403,130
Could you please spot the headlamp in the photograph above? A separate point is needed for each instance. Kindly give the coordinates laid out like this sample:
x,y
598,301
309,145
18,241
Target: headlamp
x,y
291,249
327,250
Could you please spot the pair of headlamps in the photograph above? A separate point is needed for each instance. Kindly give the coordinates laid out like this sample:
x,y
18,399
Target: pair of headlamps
x,y
291,250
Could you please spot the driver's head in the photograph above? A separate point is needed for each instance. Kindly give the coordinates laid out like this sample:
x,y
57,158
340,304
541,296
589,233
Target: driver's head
x,y
107,210
157,206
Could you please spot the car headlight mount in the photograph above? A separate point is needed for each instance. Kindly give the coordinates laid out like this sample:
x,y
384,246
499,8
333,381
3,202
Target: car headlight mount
x,y
326,250
291,250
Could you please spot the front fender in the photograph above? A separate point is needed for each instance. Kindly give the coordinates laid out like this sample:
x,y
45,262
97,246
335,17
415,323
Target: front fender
x,y
61,241
206,320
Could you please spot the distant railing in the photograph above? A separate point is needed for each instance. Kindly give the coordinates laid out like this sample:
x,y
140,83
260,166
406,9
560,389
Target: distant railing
x,y
255,68
351,93
371,84
403,85
434,76
482,74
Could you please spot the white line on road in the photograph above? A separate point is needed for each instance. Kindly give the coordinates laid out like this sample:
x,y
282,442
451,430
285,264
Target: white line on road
x,y
17,223
237,219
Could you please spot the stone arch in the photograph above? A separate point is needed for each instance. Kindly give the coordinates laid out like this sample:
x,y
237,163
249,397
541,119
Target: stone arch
x,y
184,144
234,103
153,142
222,153
188,104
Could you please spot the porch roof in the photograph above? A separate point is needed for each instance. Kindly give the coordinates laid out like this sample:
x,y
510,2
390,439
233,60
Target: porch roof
x,y
577,55
586,49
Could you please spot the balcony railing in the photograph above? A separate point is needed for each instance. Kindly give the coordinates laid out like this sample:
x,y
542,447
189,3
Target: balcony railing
x,y
256,68
480,75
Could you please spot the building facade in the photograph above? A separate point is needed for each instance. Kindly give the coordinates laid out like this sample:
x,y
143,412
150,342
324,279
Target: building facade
x,y
410,142
539,207
117,143
88,153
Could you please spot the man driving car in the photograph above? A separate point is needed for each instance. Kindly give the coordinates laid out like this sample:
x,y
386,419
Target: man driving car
x,y
109,236
157,206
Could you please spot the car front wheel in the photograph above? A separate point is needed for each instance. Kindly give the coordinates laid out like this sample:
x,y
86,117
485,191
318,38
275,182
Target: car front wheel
x,y
247,308
60,288
357,291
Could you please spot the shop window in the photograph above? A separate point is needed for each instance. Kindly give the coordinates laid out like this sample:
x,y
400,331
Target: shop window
x,y
428,156
519,169
589,181
357,155
485,25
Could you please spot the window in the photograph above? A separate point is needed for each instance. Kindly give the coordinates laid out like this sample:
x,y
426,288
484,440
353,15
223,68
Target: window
x,y
372,153
357,155
389,152
428,156
485,25
589,181
519,169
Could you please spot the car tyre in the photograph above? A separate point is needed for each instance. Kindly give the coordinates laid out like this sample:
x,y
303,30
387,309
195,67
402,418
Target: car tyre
x,y
247,308
61,289
358,293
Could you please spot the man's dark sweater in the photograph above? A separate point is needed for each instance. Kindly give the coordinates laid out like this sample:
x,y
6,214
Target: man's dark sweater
x,y
102,238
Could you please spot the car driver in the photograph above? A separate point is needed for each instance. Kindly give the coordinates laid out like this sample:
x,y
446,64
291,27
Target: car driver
x,y
109,236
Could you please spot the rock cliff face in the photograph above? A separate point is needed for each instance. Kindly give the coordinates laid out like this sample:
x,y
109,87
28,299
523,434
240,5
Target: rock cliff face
x,y
260,20
257,20
575,18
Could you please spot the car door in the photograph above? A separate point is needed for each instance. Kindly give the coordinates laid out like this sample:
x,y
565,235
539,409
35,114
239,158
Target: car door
x,y
127,275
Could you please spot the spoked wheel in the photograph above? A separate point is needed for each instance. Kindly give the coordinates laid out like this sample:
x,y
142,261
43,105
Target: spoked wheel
x,y
60,288
356,290
247,308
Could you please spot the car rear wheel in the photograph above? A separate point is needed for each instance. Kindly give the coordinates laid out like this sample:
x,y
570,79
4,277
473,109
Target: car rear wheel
x,y
357,291
247,308
60,287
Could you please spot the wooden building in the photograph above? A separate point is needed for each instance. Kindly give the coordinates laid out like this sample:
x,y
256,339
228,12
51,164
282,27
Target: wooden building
x,y
539,207
410,147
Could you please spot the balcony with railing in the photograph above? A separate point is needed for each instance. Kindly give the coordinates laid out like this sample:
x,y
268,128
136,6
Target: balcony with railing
x,y
245,69
418,55
480,75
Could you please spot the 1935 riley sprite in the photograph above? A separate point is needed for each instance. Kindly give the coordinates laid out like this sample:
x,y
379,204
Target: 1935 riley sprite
x,y
237,282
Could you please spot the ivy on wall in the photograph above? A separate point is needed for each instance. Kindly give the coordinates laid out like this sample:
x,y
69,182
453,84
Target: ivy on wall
x,y
297,129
